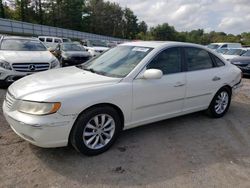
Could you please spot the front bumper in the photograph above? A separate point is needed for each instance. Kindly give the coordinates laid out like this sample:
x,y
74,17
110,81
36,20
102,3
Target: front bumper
x,y
10,76
43,131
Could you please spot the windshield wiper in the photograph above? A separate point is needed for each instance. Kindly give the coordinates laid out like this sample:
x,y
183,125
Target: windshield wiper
x,y
91,70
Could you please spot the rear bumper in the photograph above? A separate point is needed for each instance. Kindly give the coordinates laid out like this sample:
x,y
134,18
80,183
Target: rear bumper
x,y
245,70
236,88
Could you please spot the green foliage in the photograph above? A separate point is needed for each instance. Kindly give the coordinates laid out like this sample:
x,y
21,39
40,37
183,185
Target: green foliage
x,y
106,18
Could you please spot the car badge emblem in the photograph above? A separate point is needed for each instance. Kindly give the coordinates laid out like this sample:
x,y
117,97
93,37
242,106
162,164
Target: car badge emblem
x,y
32,67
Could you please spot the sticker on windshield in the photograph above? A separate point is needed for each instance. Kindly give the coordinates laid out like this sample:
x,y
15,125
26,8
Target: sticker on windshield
x,y
140,49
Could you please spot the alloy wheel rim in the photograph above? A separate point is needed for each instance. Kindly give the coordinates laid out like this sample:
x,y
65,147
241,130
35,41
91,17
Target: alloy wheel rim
x,y
99,131
221,102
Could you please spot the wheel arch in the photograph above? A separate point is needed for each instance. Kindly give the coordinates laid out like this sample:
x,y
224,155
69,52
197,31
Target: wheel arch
x,y
225,86
118,109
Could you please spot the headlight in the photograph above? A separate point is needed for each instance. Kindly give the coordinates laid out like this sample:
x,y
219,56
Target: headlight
x,y
38,108
5,65
54,63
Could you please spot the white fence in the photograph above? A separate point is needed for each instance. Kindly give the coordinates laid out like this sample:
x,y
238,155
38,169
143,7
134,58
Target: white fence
x,y
23,28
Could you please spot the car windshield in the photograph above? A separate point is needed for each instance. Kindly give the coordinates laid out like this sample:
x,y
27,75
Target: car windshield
x,y
22,45
222,50
66,40
234,52
117,62
100,43
247,53
72,47
213,46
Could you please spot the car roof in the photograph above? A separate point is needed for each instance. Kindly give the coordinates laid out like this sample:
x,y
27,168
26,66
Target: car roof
x,y
159,44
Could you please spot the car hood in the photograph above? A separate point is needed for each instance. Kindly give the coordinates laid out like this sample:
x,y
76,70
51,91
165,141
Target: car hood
x,y
57,80
26,56
242,59
76,53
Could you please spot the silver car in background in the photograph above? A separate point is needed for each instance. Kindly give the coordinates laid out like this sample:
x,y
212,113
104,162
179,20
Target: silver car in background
x,y
21,56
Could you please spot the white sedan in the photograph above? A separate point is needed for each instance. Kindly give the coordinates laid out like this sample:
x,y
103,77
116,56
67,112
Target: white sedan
x,y
130,85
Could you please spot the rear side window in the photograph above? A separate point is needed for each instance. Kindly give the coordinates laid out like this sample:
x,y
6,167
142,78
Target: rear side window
x,y
41,39
168,61
49,40
218,62
197,59
224,46
57,41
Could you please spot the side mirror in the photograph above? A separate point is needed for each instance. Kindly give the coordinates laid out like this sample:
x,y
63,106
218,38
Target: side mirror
x,y
153,74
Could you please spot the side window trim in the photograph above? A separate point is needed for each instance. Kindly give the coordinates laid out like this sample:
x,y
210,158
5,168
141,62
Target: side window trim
x,y
214,61
186,63
182,59
151,59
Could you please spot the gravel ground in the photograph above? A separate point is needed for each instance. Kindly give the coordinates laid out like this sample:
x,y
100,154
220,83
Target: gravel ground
x,y
188,151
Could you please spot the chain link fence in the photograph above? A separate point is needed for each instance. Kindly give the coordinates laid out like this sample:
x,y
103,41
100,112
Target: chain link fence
x,y
14,27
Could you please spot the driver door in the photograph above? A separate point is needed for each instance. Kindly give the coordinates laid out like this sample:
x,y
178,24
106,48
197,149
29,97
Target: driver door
x,y
156,99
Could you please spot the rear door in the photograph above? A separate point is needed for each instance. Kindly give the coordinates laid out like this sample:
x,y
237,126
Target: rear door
x,y
204,78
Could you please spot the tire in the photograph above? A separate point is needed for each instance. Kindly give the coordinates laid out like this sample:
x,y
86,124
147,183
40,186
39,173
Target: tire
x,y
220,103
88,134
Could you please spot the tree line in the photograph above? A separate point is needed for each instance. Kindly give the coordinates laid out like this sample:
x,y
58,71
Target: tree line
x,y
105,18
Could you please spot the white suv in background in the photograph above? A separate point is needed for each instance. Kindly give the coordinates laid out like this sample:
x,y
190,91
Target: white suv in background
x,y
51,42
95,47
21,56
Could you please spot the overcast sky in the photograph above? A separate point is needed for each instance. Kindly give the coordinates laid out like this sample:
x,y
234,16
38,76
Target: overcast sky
x,y
230,16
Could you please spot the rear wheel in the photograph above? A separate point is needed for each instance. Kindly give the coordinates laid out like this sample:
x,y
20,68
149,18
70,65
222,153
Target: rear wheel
x,y
220,103
95,130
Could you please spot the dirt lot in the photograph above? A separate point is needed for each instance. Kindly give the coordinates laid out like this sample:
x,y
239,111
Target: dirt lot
x,y
189,151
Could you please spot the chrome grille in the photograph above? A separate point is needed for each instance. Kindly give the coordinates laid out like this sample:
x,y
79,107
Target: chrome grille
x,y
30,67
9,100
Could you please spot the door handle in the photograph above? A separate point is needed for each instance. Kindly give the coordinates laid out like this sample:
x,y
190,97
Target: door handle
x,y
179,84
216,78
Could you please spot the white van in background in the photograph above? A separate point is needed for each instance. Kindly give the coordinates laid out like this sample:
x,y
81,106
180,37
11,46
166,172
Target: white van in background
x,y
50,41
216,46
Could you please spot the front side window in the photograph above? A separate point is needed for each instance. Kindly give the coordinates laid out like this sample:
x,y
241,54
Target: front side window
x,y
168,61
197,59
57,41
117,62
22,45
49,40
41,39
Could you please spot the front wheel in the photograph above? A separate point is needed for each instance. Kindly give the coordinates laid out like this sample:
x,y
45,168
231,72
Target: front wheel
x,y
95,130
220,103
